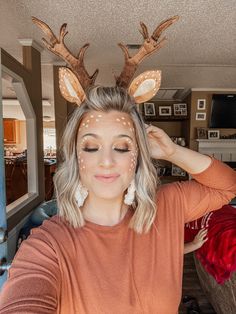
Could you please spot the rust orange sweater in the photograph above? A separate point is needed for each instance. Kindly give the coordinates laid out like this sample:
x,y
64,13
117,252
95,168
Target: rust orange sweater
x,y
103,270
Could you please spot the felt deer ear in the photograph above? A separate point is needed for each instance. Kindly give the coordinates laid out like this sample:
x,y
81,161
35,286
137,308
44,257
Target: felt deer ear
x,y
70,86
145,86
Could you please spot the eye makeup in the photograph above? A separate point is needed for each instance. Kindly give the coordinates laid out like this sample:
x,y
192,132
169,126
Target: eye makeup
x,y
90,146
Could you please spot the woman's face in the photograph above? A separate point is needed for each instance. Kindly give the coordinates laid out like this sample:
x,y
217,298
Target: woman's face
x,y
107,153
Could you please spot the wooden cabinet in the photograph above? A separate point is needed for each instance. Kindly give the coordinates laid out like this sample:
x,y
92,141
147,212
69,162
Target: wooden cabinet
x,y
17,181
9,129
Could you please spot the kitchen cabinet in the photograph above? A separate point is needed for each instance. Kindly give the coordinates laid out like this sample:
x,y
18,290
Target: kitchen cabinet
x,y
9,129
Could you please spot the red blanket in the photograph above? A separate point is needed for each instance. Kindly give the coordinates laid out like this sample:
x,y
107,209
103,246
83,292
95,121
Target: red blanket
x,y
218,254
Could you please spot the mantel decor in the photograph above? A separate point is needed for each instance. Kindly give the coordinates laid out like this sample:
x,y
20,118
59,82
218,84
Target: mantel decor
x,y
202,133
213,134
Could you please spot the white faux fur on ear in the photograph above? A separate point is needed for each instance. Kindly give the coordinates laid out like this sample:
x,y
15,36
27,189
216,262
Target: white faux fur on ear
x,y
145,86
70,86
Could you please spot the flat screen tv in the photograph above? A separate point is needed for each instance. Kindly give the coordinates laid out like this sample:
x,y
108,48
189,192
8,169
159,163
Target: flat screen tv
x,y
223,111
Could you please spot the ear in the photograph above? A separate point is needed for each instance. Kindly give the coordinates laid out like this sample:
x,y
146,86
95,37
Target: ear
x,y
70,86
145,86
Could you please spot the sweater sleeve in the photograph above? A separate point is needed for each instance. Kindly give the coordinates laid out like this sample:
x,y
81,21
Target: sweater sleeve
x,y
33,280
208,191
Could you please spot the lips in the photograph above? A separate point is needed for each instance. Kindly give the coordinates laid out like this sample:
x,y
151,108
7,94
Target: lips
x,y
107,178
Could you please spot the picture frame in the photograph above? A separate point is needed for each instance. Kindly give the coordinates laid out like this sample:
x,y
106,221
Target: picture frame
x,y
165,110
177,171
213,134
180,109
201,116
201,104
149,109
202,133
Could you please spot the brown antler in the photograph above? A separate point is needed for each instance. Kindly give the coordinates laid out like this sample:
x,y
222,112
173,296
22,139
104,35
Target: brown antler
x,y
58,47
149,46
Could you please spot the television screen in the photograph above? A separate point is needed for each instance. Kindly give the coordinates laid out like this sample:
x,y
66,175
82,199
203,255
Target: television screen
x,y
223,111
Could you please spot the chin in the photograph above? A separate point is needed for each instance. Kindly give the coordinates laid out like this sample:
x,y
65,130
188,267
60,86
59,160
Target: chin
x,y
108,194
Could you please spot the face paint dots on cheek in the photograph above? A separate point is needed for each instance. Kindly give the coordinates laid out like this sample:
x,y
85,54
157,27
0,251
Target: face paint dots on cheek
x,y
133,160
81,162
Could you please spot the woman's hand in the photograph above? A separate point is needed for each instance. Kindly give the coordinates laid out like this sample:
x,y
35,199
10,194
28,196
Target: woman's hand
x,y
198,241
200,238
161,145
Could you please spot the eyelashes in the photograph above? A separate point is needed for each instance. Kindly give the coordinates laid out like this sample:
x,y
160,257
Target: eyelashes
x,y
90,150
93,150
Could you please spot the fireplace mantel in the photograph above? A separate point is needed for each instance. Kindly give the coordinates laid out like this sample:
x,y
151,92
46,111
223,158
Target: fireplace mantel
x,y
222,149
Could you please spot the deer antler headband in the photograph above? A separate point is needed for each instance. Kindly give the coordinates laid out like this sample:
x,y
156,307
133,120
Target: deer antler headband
x,y
75,80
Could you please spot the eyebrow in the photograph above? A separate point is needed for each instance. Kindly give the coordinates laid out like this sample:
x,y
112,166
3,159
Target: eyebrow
x,y
97,136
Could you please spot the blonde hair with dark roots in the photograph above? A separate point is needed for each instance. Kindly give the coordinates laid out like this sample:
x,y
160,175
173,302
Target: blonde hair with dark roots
x,y
66,179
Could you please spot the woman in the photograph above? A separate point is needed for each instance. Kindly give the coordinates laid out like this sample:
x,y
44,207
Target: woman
x,y
117,243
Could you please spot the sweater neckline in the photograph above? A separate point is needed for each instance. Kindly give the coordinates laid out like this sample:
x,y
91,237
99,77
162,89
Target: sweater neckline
x,y
119,225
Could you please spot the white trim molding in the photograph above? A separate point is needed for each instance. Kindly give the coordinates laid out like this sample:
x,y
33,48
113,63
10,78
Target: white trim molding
x,y
31,42
221,149
31,136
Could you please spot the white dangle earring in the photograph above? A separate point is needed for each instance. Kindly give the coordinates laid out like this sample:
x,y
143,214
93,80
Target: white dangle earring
x,y
80,194
130,195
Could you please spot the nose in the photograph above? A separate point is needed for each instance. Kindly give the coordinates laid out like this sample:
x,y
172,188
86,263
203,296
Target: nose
x,y
106,158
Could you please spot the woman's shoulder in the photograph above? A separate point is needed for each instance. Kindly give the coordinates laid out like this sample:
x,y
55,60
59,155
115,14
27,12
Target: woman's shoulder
x,y
169,189
54,228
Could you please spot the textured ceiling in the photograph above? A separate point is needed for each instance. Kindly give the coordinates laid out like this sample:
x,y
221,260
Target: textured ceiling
x,y
200,52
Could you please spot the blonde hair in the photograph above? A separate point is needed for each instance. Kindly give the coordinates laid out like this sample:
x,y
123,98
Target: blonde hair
x,y
66,179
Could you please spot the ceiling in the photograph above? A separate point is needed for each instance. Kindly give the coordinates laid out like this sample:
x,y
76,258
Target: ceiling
x,y
200,51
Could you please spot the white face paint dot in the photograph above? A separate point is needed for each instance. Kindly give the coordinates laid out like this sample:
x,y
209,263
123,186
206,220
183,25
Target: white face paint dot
x,y
118,119
99,115
97,120
91,116
122,118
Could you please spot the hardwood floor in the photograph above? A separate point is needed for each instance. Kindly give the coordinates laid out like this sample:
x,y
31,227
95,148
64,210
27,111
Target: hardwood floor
x,y
191,286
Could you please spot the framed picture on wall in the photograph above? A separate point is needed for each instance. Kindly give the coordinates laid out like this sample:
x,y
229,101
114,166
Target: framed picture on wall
x,y
165,111
149,109
201,104
202,133
213,134
200,116
180,109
